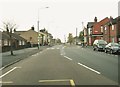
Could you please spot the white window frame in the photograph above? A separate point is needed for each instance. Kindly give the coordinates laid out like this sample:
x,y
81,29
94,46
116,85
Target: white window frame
x,y
105,27
20,43
5,42
0,42
23,42
113,27
102,29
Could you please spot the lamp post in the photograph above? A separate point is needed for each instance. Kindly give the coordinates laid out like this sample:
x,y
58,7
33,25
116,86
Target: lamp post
x,y
38,28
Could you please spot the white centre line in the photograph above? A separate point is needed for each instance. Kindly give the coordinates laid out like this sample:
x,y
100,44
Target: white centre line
x,y
89,68
67,57
9,72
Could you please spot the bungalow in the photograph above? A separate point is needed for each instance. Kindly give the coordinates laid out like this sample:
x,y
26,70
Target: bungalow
x,y
17,41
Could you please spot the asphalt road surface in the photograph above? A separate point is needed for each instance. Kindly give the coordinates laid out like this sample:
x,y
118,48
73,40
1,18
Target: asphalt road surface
x,y
63,65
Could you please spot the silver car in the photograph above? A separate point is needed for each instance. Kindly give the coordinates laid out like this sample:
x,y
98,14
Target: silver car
x,y
112,48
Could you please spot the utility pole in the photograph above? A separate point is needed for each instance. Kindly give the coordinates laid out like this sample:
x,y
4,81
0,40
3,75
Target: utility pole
x,y
65,38
38,29
83,32
76,36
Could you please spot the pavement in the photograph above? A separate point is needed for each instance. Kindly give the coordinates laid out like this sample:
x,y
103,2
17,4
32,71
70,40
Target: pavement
x,y
8,59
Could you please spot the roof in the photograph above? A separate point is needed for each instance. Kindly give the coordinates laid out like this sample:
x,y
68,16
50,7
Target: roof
x,y
5,35
19,32
104,21
90,24
14,36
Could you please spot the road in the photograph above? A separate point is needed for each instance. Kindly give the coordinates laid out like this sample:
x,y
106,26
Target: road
x,y
63,65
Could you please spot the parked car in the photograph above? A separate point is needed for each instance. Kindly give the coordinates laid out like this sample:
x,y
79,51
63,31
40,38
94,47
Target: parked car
x,y
112,48
99,45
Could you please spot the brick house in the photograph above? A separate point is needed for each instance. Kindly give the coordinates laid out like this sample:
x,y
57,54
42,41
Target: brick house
x,y
95,30
112,30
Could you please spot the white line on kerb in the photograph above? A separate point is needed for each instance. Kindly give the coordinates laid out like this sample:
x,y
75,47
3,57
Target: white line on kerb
x,y
67,57
9,71
89,68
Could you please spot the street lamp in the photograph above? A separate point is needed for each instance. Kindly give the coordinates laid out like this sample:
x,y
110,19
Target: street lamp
x,y
38,28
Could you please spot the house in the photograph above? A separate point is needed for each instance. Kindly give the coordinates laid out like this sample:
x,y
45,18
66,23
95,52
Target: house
x,y
95,29
47,37
85,32
17,41
89,32
31,36
112,30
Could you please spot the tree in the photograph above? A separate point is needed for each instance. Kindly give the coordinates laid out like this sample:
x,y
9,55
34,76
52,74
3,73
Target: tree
x,y
10,27
58,40
70,38
81,36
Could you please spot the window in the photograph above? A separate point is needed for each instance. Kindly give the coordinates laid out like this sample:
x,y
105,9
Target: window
x,y
0,43
102,29
20,43
105,27
23,42
5,42
9,43
112,27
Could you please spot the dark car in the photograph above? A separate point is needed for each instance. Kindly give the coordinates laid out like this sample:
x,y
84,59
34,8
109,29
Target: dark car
x,y
112,48
99,45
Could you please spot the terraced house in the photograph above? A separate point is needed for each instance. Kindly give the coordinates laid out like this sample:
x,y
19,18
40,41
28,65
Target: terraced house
x,y
107,29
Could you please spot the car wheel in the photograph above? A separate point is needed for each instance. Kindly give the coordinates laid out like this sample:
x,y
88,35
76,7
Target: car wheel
x,y
97,49
105,51
111,52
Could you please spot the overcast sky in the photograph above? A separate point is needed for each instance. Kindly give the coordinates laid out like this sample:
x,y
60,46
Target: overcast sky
x,y
62,16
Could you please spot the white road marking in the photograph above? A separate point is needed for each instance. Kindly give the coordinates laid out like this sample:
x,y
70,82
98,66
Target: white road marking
x,y
89,68
52,48
40,52
48,48
61,54
2,68
116,55
58,48
9,71
6,82
67,57
34,55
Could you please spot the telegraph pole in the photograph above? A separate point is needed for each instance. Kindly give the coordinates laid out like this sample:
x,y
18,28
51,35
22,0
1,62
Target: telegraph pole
x,y
38,28
76,36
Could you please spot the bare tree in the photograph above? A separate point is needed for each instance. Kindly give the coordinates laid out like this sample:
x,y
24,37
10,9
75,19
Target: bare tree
x,y
10,27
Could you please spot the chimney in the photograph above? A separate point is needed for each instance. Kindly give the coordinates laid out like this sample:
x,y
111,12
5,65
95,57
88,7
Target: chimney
x,y
95,20
32,28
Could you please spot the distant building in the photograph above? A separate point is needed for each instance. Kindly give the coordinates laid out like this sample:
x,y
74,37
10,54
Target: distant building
x,y
31,36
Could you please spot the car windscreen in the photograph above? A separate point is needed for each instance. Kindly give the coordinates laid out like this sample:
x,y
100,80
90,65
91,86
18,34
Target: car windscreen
x,y
102,42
